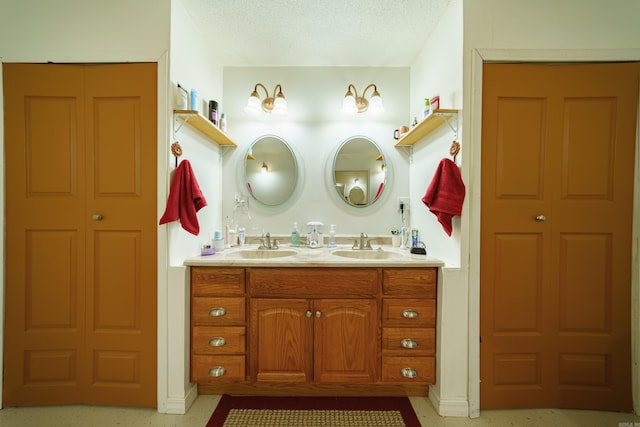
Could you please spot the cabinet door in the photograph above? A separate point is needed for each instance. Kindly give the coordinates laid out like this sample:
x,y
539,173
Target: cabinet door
x,y
280,340
345,340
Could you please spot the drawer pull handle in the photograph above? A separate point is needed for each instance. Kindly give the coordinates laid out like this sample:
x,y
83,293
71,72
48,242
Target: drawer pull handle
x,y
217,312
410,314
409,372
409,343
217,371
217,342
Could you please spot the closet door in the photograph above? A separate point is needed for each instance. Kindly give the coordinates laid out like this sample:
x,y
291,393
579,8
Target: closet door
x,y
557,200
81,234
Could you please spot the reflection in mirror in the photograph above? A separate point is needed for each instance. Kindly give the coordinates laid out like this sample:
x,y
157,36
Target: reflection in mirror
x,y
270,170
359,171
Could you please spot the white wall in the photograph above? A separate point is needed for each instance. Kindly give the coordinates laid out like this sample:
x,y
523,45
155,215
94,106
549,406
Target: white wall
x,y
438,71
495,30
193,65
77,31
546,30
314,129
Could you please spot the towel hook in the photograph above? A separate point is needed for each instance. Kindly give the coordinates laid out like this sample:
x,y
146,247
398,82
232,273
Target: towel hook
x,y
454,150
176,150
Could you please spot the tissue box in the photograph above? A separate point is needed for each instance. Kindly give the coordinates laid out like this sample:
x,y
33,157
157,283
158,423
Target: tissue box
x,y
435,103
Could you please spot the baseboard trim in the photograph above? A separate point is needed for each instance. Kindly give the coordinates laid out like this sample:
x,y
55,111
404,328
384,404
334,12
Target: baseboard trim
x,y
179,406
448,408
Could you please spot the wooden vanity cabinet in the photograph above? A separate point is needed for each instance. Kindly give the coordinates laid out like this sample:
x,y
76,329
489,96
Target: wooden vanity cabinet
x,y
409,325
313,330
218,325
331,336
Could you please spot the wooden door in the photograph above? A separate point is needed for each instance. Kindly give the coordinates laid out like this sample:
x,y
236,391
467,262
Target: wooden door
x,y
80,150
557,186
345,341
280,340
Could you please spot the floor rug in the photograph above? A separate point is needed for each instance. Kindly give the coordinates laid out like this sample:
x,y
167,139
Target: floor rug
x,y
254,411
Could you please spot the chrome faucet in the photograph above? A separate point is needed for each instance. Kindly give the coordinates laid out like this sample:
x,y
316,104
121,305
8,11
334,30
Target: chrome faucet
x,y
365,243
267,244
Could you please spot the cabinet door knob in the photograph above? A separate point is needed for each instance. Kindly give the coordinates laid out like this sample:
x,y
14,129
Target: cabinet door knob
x,y
96,217
309,313
318,314
410,314
217,312
409,372
217,371
409,343
541,218
217,342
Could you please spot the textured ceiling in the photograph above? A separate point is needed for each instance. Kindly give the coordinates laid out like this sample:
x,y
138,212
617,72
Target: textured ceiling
x,y
369,33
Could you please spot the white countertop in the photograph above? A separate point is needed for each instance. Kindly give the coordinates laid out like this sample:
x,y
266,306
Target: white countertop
x,y
318,257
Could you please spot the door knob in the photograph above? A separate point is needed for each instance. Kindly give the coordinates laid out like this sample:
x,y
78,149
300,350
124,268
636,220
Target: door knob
x,y
541,218
96,217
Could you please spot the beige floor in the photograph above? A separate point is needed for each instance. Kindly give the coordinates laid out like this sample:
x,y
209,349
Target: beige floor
x,y
199,413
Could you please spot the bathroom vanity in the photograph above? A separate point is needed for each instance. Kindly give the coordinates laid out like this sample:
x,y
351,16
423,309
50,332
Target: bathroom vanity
x,y
311,322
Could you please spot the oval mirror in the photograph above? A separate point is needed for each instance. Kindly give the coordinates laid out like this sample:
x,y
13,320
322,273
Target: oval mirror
x,y
270,170
359,172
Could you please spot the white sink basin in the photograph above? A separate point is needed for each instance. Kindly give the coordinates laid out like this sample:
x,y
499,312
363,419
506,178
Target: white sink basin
x,y
373,254
262,253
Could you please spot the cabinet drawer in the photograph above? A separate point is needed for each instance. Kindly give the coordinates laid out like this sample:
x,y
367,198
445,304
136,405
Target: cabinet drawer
x,y
218,339
211,369
409,341
218,310
217,281
412,282
409,369
313,282
409,312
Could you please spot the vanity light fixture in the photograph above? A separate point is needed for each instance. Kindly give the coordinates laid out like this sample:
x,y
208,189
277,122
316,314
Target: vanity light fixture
x,y
275,104
264,168
353,103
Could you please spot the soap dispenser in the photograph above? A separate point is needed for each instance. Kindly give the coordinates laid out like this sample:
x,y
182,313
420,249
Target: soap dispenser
x,y
332,236
295,236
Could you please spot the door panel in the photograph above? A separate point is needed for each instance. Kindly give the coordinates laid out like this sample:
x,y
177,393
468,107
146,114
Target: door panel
x,y
81,294
281,340
345,341
557,189
121,247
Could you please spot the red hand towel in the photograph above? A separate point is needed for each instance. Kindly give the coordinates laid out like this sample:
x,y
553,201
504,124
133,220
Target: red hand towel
x,y
445,194
185,199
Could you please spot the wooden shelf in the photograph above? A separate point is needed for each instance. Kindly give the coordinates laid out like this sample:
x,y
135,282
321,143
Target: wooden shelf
x,y
198,121
425,127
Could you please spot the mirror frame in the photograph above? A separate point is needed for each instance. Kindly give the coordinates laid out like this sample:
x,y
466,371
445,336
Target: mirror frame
x,y
331,183
242,172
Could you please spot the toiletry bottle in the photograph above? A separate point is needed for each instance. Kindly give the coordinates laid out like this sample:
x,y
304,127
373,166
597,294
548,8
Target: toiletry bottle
x,y
332,236
218,241
227,236
182,103
241,236
223,123
213,112
427,108
194,100
295,236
